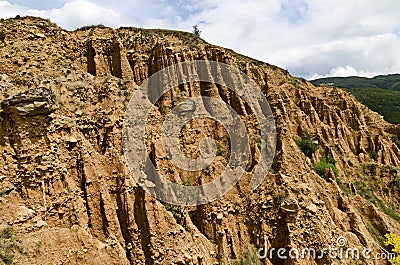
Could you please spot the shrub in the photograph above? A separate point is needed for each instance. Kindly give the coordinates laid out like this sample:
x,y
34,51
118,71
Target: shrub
x,y
326,162
396,140
6,233
338,181
373,155
370,169
396,182
306,144
368,193
249,257
7,258
176,211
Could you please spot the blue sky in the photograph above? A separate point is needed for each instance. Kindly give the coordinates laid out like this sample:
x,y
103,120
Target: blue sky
x,y
310,38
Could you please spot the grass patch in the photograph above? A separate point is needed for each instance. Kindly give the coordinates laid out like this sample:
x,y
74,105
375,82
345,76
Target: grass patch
x,y
324,163
380,239
338,181
368,193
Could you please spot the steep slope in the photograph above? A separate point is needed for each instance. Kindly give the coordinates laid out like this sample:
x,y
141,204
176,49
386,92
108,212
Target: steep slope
x,y
67,196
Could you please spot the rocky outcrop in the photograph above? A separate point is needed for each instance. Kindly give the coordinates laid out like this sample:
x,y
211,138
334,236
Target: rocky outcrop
x,y
77,203
38,101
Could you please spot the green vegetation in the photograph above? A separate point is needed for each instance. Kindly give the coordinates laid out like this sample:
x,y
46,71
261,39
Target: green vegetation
x,y
369,169
176,211
373,155
380,94
396,140
8,246
306,144
376,234
6,257
396,182
54,97
221,151
249,257
338,181
326,162
394,241
368,193
6,233
92,27
385,102
389,82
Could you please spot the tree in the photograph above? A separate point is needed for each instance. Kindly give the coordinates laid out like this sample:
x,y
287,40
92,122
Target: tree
x,y
393,240
196,31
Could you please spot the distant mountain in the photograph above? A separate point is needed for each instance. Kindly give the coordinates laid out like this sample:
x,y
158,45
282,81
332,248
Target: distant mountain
x,y
390,82
381,93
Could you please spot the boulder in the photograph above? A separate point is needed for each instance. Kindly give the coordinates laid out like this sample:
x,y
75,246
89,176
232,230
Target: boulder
x,y
38,101
184,107
290,206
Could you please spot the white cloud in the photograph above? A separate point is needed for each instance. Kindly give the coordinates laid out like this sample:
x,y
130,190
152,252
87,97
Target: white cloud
x,y
71,15
341,71
8,10
307,37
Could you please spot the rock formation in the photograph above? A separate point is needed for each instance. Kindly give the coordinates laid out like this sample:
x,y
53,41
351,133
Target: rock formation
x,y
66,193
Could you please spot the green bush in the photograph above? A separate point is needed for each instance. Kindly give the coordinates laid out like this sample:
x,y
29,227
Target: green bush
x,y
6,233
176,211
370,169
306,144
338,181
396,140
7,258
373,155
249,257
396,182
326,162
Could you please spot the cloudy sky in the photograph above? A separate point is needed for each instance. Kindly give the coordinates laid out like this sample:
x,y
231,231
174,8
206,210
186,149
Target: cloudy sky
x,y
310,38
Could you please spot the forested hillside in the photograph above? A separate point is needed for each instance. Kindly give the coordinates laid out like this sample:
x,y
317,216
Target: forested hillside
x,y
381,93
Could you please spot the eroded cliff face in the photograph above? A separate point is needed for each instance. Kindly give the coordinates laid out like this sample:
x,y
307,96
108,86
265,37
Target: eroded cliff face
x,y
66,192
